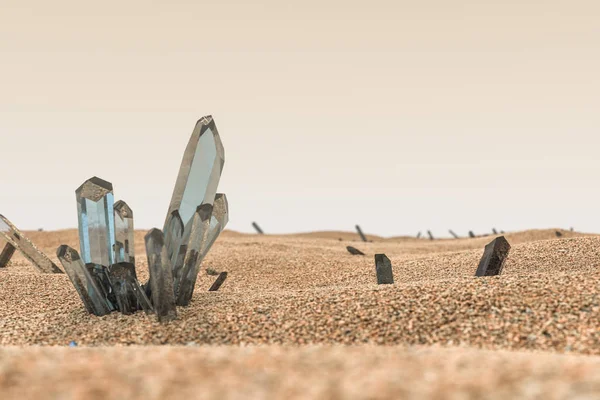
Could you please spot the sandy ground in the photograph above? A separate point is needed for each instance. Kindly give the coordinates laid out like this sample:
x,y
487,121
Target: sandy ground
x,y
532,332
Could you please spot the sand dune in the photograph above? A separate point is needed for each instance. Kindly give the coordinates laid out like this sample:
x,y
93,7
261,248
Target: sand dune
x,y
308,290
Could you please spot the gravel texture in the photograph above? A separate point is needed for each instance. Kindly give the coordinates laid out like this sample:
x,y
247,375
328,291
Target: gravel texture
x,y
308,290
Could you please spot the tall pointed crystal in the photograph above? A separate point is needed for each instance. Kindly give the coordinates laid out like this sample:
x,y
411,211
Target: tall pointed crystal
x,y
161,276
124,247
15,238
96,221
198,177
185,280
87,287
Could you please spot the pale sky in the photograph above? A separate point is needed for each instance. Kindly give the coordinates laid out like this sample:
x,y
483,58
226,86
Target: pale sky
x,y
401,116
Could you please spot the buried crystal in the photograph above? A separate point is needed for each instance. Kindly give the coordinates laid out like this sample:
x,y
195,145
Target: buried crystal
x,y
96,221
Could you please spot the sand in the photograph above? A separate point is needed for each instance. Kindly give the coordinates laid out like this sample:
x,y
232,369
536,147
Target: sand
x,y
438,332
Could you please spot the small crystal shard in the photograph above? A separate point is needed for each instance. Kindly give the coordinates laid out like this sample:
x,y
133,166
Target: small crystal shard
x,y
453,234
361,234
354,251
87,288
129,295
7,254
198,245
124,246
430,235
383,267
161,276
96,221
219,282
471,234
494,257
15,238
257,228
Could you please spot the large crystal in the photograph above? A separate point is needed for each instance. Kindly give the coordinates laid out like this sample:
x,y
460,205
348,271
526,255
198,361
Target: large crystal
x,y
124,247
96,221
161,276
15,238
185,280
198,178
88,289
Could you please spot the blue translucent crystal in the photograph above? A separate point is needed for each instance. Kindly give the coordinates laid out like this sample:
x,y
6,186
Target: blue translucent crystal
x,y
198,179
95,206
124,248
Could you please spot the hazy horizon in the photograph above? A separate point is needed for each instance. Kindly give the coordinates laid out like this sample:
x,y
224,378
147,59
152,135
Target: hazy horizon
x,y
399,116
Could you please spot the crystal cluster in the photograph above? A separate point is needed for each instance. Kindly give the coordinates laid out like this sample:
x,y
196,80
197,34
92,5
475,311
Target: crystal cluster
x,y
103,273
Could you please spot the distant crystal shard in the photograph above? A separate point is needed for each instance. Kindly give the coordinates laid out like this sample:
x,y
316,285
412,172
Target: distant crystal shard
x,y
494,257
257,228
7,254
383,267
185,280
124,247
453,234
200,171
96,221
161,276
361,234
354,251
128,293
471,234
430,235
88,289
15,238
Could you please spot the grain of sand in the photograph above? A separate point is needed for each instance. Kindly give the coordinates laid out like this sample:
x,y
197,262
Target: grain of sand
x,y
438,332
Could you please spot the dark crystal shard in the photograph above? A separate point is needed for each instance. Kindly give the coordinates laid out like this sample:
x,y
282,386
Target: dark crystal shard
x,y
161,276
419,235
88,289
453,234
494,231
471,234
220,280
361,234
383,267
257,228
494,257
430,235
354,251
129,295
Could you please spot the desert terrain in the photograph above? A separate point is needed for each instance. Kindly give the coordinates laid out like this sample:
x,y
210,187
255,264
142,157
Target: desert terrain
x,y
300,317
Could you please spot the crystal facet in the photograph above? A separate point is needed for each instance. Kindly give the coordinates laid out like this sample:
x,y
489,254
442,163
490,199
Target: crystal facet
x,y
89,291
494,257
161,276
185,280
124,247
218,221
128,293
96,221
15,238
